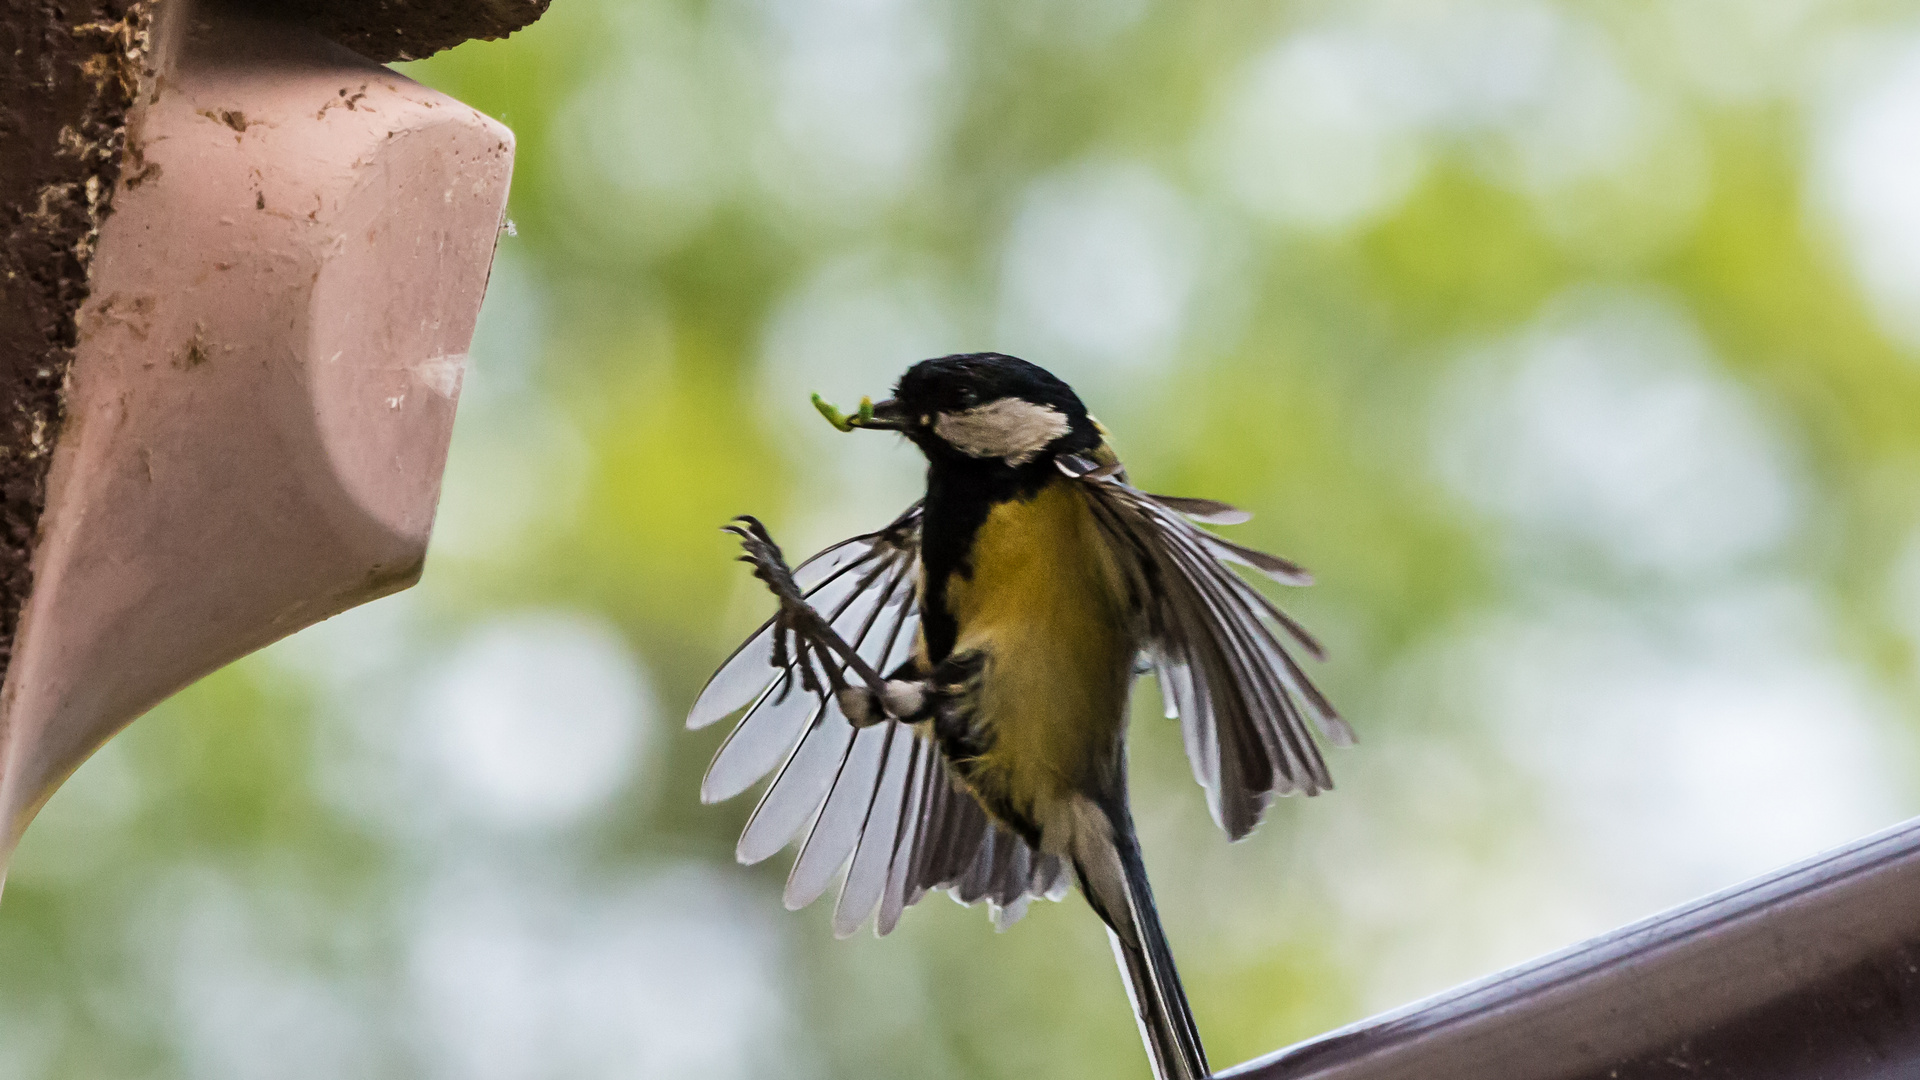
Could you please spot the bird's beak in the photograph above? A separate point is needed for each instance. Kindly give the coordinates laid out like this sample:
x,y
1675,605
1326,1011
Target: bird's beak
x,y
885,415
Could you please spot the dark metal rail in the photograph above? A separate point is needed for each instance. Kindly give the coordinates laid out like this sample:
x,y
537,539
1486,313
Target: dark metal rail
x,y
1810,972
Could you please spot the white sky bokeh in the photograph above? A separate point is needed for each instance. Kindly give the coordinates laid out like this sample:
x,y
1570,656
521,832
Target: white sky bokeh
x,y
1618,750
1740,53
243,965
535,719
529,723
1605,426
1902,598
643,149
498,975
858,99
1336,123
516,469
1612,760
1314,134
1865,168
1682,750
1098,272
30,1042
670,974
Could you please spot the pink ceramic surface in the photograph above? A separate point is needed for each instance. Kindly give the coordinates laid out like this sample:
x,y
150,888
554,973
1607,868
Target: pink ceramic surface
x,y
259,407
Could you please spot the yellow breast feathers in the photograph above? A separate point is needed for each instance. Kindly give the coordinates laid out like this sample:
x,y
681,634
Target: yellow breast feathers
x,y
1045,608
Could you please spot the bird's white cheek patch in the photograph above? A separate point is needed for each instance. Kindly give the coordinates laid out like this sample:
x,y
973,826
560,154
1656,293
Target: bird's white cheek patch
x,y
1010,428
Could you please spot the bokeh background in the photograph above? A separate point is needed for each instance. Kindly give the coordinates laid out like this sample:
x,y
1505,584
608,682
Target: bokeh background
x,y
1575,346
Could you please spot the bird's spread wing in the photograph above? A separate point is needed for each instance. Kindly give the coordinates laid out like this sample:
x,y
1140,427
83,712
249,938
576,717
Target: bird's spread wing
x,y
881,795
1243,702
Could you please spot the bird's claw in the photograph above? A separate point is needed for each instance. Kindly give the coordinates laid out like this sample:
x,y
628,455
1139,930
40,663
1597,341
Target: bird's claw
x,y
802,638
768,562
794,626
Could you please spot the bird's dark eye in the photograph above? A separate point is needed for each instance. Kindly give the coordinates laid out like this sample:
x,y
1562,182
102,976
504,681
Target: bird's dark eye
x,y
969,397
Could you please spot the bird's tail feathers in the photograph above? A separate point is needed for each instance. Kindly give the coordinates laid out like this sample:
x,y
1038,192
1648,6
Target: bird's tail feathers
x,y
1115,881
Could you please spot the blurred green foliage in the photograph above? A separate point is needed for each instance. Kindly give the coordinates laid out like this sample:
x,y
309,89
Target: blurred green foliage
x,y
1564,342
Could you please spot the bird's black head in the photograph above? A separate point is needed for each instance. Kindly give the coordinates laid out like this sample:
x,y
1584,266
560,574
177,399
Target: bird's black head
x,y
987,407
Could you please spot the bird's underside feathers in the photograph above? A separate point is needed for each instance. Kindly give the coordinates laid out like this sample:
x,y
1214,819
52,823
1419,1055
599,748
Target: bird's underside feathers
x,y
885,796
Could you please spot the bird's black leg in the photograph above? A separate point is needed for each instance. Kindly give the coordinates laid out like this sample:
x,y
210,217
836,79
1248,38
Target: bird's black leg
x,y
801,637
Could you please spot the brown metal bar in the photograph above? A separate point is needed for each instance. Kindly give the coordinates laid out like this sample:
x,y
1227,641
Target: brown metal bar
x,y
1813,971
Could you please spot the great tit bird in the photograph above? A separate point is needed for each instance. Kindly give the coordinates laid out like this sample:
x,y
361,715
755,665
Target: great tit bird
x,y
945,699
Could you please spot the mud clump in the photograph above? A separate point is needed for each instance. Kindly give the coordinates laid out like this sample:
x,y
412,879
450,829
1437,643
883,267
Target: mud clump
x,y
68,74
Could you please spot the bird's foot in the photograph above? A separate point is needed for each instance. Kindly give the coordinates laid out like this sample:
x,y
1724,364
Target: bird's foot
x,y
801,637
768,562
